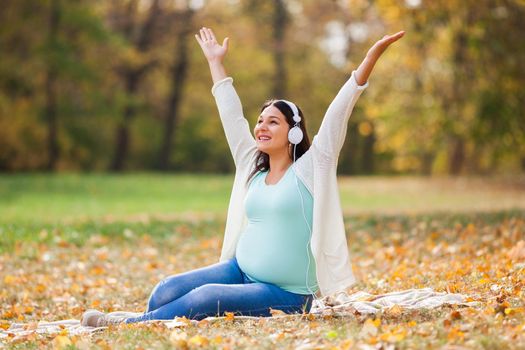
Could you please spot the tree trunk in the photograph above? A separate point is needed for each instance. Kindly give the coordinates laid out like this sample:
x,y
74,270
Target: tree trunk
x,y
132,79
368,151
427,160
350,147
122,134
463,76
50,111
457,156
179,73
279,24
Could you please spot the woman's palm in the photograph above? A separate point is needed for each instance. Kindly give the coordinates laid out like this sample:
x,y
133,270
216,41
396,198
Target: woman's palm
x,y
209,45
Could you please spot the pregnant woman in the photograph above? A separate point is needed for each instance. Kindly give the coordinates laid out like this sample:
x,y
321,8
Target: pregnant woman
x,y
284,242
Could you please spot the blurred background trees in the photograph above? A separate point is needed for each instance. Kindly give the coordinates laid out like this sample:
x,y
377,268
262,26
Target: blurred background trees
x,y
92,85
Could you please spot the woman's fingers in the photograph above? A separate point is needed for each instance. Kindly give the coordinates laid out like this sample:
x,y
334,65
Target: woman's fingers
x,y
394,37
397,36
199,40
389,39
211,34
204,35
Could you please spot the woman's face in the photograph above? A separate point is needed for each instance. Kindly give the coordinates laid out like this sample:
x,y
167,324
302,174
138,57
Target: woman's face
x,y
271,131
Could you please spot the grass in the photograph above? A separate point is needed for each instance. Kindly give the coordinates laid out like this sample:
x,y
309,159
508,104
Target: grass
x,y
45,198
71,197
60,256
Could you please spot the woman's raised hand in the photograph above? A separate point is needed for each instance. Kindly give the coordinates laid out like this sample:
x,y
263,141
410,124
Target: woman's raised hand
x,y
381,45
209,45
365,68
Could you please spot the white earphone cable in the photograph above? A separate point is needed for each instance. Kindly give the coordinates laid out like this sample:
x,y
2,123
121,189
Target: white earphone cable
x,y
307,224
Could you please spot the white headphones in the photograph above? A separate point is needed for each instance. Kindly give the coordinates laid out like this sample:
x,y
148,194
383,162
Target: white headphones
x,y
295,135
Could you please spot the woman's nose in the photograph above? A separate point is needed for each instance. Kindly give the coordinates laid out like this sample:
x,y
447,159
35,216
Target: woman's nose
x,y
261,125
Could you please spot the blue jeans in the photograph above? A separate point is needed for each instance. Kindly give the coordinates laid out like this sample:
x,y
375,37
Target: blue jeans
x,y
215,289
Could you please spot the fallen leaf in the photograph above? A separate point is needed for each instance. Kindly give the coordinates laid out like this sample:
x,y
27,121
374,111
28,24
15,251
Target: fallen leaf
x,y
198,340
277,312
61,342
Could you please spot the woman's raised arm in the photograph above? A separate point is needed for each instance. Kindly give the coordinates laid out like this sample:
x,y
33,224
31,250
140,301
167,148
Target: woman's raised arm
x,y
214,52
236,127
332,132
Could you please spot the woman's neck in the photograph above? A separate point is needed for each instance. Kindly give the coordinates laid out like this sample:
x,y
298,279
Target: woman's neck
x,y
280,162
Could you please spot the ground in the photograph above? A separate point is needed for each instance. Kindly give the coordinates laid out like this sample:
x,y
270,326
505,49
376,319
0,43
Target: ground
x,y
57,266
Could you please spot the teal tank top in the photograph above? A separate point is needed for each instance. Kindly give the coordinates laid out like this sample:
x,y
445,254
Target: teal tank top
x,y
273,246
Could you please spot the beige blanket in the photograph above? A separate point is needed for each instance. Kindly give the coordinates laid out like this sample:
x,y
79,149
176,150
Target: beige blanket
x,y
341,304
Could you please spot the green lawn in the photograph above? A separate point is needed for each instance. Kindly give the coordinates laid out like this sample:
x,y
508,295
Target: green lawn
x,y
69,197
43,198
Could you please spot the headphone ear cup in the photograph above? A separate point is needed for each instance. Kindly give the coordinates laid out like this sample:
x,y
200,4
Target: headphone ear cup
x,y
295,135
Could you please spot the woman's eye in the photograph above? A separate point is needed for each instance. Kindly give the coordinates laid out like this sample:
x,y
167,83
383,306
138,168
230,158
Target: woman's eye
x,y
274,122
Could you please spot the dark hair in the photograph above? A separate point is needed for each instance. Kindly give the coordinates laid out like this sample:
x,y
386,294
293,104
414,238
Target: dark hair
x,y
262,160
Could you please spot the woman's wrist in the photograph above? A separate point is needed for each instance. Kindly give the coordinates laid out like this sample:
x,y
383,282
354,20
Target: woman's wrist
x,y
215,62
218,72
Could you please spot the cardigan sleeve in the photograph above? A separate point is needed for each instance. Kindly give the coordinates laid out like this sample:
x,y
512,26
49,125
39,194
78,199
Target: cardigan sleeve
x,y
236,127
331,136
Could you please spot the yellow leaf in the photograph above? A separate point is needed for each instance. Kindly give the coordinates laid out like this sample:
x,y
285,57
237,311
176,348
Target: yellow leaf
x,y
394,336
372,340
455,334
9,279
61,342
97,270
370,327
198,340
513,310
277,336
346,344
229,316
394,311
217,340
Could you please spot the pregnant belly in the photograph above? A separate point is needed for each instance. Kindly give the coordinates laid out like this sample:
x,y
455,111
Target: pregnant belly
x,y
272,257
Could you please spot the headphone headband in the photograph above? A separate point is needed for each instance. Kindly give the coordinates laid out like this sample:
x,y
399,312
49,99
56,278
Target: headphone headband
x,y
295,110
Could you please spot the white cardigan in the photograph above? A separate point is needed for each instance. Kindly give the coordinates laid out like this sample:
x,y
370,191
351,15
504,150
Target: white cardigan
x,y
316,169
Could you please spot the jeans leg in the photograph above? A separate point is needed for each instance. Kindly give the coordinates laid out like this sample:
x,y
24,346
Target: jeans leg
x,y
252,299
174,287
